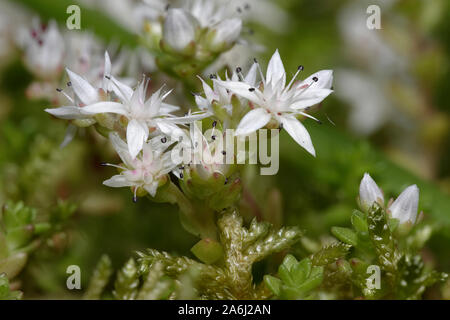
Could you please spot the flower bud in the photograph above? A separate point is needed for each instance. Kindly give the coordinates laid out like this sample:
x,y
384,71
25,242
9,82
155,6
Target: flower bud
x,y
226,33
369,192
179,29
404,208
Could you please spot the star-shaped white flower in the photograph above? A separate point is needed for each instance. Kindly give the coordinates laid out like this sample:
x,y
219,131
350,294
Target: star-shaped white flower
x,y
274,100
142,113
83,93
148,170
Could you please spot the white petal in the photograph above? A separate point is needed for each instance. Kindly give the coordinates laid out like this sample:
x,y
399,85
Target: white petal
x,y
70,134
121,90
136,136
118,181
241,89
324,80
275,70
298,132
167,108
107,73
179,29
405,207
83,89
310,97
68,112
250,78
151,188
252,121
121,148
104,107
369,192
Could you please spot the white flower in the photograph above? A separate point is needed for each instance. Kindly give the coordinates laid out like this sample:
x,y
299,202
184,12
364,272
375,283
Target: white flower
x,y
83,93
179,29
148,170
369,192
44,49
141,113
219,94
404,208
274,100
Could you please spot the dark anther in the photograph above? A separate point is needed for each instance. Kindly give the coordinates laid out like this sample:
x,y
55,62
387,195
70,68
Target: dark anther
x,y
108,77
251,89
238,69
281,126
167,6
212,76
58,89
255,60
239,9
69,84
226,180
224,152
181,176
213,137
315,79
214,124
301,68
164,139
134,199
247,6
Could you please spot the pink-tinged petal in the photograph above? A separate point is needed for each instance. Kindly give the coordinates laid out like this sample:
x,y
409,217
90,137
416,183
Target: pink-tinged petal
x,y
275,70
369,192
324,80
104,107
136,137
83,89
252,121
67,112
298,132
405,207
242,89
201,102
118,181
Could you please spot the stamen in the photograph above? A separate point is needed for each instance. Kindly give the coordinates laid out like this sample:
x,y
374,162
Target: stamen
x,y
214,124
260,71
164,139
311,117
69,84
251,89
113,165
300,68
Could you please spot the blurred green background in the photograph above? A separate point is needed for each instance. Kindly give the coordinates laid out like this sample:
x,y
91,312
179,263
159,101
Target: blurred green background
x,y
389,116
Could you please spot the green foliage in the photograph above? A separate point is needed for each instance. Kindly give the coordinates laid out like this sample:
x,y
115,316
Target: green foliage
x,y
297,279
379,241
5,291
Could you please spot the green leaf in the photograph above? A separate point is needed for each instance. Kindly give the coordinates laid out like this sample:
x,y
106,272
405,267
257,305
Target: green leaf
x,y
358,220
273,283
289,261
330,254
208,250
313,281
301,271
345,235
